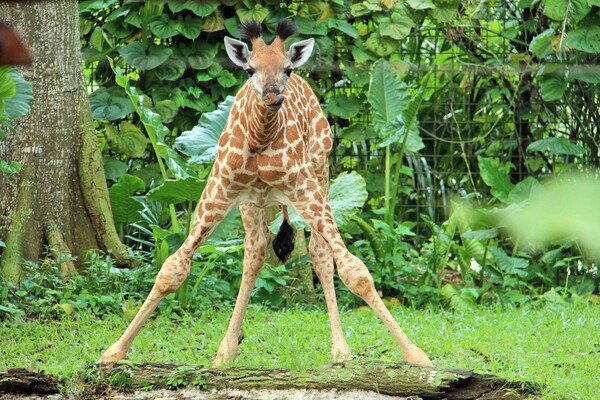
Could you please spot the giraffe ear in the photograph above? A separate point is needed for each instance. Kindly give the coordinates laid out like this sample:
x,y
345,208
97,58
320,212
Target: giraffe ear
x,y
237,51
300,52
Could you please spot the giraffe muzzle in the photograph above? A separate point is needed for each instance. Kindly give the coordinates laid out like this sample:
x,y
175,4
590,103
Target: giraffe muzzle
x,y
273,100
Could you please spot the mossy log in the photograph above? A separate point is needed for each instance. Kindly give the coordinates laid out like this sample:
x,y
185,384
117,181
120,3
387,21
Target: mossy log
x,y
20,381
389,378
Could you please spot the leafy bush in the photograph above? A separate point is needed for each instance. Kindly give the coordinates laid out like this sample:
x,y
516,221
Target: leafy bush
x,y
434,103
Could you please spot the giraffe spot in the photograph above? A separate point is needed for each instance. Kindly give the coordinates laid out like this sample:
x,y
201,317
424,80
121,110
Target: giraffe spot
x,y
251,163
274,161
312,186
317,209
234,160
272,175
241,177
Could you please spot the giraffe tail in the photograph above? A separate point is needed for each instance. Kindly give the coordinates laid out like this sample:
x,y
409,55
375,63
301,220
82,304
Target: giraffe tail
x,y
283,244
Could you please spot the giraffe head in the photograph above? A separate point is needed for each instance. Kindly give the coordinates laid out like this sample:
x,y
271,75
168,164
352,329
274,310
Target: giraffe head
x,y
268,64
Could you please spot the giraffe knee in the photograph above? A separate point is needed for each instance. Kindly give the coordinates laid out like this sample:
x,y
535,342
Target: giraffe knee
x,y
171,275
355,275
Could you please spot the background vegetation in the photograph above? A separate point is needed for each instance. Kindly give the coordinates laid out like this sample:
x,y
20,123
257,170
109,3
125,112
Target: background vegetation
x,y
453,121
440,105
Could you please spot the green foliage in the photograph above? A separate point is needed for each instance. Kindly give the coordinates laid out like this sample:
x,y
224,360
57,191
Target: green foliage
x,y
406,121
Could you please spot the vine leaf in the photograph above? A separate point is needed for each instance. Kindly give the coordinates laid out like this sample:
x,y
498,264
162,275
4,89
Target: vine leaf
x,y
110,104
495,175
143,56
585,38
558,10
556,145
128,140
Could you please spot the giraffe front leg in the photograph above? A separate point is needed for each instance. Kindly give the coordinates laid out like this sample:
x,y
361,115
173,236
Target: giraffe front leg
x,y
211,210
314,208
172,273
322,259
255,250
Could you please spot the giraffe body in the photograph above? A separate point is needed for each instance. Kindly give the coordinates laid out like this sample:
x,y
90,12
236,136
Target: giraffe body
x,y
273,151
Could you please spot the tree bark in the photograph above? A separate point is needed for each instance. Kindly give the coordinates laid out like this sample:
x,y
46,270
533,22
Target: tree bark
x,y
59,198
376,377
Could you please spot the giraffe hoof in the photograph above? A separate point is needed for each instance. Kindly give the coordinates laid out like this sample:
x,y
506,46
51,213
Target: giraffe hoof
x,y
113,353
341,353
418,356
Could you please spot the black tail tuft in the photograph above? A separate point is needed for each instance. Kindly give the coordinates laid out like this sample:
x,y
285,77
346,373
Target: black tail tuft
x,y
284,241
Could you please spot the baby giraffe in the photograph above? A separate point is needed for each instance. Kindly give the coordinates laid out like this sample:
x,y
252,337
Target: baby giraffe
x,y
273,151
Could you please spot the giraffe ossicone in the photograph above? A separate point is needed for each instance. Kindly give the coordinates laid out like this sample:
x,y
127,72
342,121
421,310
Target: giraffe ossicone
x,y
273,151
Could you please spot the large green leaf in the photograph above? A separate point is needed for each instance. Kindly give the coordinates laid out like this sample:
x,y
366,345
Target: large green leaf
x,y
523,190
128,140
201,8
311,27
556,145
201,142
343,26
388,95
553,87
347,193
398,26
126,210
201,55
382,46
585,38
343,106
8,88
113,168
177,191
110,104
257,13
19,104
558,10
164,27
495,175
507,264
145,56
190,27
445,11
421,4
171,70
541,45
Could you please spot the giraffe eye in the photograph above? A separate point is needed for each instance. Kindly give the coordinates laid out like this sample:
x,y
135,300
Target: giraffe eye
x,y
288,72
250,71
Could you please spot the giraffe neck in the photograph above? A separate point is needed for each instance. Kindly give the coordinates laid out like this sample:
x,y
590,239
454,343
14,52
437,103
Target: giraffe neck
x,y
263,125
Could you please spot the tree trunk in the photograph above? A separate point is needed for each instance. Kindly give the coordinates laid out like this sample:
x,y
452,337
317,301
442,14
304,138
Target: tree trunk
x,y
361,378
59,198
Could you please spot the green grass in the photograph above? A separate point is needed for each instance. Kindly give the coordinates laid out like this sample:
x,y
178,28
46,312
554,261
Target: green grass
x,y
557,346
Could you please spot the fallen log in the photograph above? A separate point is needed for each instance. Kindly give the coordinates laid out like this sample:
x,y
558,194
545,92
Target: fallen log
x,y
20,381
389,378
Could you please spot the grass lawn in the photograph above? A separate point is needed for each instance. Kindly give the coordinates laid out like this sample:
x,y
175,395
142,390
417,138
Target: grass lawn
x,y
556,346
